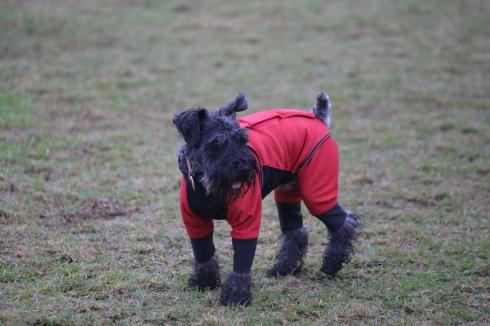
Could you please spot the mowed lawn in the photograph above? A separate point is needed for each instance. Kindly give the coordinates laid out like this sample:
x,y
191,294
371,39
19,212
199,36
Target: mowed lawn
x,y
90,228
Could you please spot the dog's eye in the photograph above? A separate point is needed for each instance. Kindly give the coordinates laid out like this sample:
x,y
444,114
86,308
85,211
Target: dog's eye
x,y
241,137
218,142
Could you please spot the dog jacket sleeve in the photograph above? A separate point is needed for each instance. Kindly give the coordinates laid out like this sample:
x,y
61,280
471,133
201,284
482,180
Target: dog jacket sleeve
x,y
243,215
196,226
199,211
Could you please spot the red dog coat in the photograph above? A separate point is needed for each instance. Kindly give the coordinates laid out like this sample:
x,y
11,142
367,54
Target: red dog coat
x,y
286,143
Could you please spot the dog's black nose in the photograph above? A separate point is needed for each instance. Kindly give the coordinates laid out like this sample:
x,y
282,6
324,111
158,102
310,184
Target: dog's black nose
x,y
240,168
243,171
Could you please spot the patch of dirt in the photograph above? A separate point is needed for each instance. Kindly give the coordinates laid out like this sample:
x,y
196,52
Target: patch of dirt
x,y
100,209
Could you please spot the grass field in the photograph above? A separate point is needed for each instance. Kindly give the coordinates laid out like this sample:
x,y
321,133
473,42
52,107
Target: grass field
x,y
90,229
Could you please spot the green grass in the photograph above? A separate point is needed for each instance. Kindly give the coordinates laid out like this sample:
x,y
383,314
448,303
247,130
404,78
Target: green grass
x,y
90,229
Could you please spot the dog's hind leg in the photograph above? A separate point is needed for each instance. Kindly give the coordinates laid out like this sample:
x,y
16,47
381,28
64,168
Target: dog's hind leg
x,y
292,251
341,245
293,240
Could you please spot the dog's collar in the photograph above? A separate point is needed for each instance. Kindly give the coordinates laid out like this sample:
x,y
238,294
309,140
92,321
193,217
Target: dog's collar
x,y
190,174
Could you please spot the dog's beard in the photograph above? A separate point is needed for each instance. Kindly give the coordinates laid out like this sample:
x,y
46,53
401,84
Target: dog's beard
x,y
224,186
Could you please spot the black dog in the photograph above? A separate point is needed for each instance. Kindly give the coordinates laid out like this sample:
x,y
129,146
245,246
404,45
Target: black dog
x,y
230,165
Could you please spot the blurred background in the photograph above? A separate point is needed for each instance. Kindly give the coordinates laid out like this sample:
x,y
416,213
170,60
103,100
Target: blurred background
x,y
89,214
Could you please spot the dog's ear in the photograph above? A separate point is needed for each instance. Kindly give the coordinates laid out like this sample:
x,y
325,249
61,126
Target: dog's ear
x,y
239,104
188,124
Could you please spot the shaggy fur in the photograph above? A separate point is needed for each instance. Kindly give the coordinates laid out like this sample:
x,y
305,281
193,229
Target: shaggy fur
x,y
322,108
206,275
217,149
215,159
292,250
237,289
341,246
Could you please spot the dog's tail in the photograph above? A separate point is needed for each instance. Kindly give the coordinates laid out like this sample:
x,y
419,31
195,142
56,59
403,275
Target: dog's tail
x,y
322,108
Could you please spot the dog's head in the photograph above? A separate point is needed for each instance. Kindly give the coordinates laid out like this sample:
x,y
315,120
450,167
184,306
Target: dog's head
x,y
215,150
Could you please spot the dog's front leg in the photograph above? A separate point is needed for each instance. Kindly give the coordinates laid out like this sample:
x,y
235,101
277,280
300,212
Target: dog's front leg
x,y
237,288
206,268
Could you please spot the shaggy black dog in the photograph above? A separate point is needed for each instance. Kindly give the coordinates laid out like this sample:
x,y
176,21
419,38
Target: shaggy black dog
x,y
228,166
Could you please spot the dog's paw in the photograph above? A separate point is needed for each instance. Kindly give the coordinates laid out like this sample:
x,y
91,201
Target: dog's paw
x,y
203,283
277,270
331,270
206,275
237,289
